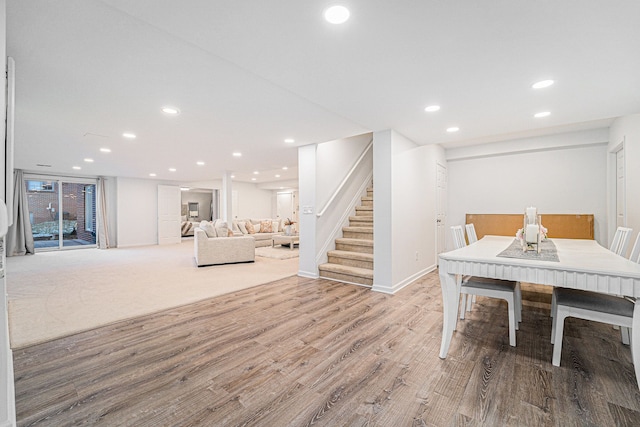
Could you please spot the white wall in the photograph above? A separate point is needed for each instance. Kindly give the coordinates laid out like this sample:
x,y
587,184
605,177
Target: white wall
x,y
334,160
567,177
404,210
626,129
137,207
252,201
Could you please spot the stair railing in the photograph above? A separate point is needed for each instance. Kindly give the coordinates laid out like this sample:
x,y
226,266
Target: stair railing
x,y
345,180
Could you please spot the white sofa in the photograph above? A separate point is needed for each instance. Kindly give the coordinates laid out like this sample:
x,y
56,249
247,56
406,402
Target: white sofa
x,y
261,239
222,250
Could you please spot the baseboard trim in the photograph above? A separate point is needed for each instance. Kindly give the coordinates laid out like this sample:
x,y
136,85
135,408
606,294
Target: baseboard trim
x,y
395,288
308,275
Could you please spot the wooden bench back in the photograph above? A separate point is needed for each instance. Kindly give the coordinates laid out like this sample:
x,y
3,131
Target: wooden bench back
x,y
561,226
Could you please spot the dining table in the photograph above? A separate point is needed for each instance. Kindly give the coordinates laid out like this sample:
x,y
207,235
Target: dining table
x,y
578,264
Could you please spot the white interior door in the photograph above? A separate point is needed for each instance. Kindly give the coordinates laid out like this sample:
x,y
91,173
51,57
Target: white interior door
x,y
285,208
169,203
441,208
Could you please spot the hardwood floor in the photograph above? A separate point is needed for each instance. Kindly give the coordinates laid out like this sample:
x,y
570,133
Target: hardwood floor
x,y
314,352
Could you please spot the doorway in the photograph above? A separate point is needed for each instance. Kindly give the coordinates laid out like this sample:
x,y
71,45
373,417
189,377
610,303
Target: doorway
x,y
441,209
62,213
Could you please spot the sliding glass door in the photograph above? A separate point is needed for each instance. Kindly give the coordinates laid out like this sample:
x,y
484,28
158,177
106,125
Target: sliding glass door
x,y
62,212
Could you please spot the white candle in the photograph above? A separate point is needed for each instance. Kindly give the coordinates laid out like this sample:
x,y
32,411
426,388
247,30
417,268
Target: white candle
x,y
531,233
531,215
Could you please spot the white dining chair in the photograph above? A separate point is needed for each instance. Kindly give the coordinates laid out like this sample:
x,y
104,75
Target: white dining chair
x,y
471,233
619,246
492,288
635,252
610,309
620,241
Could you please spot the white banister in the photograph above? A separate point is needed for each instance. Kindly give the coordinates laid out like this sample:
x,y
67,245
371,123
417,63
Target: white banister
x,y
345,180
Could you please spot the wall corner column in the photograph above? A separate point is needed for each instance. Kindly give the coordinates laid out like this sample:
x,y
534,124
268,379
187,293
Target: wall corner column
x,y
307,266
226,199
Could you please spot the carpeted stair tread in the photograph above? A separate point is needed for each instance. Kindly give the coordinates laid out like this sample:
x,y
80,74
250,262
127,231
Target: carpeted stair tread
x,y
358,228
364,210
345,269
351,255
361,218
358,242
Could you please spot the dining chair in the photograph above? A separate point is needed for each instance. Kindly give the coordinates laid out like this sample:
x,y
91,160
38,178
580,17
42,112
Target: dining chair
x,y
492,288
635,252
621,240
471,233
603,308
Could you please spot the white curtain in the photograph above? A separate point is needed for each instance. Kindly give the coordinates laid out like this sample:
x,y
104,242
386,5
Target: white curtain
x,y
101,215
20,236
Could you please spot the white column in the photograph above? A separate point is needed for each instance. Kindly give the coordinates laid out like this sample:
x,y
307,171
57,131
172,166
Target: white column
x,y
382,212
307,201
226,199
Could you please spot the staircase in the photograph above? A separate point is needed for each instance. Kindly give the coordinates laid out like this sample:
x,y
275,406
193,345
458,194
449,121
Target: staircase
x,y
352,261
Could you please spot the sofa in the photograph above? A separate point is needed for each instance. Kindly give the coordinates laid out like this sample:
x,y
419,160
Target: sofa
x,y
261,236
222,250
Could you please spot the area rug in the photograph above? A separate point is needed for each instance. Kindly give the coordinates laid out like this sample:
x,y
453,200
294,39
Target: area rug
x,y
277,252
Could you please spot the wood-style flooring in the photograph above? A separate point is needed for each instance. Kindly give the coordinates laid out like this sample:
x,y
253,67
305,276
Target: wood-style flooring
x,y
301,352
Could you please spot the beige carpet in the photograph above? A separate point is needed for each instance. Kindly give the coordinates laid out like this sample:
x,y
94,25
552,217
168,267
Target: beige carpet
x,y
54,294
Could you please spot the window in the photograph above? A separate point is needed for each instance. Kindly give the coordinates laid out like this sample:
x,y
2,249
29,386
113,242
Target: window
x,y
37,186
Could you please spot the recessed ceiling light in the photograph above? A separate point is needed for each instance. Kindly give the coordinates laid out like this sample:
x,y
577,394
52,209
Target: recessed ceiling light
x,y
152,174
77,168
184,188
105,150
237,154
256,173
284,168
453,129
432,108
172,169
88,160
200,163
277,175
542,84
233,176
542,114
289,140
170,110
129,135
253,179
336,14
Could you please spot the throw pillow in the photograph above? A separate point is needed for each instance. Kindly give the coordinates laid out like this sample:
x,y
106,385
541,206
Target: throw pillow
x,y
221,229
266,226
250,228
275,226
208,228
242,225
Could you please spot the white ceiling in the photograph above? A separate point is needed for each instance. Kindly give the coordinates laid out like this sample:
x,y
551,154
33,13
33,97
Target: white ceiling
x,y
248,74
